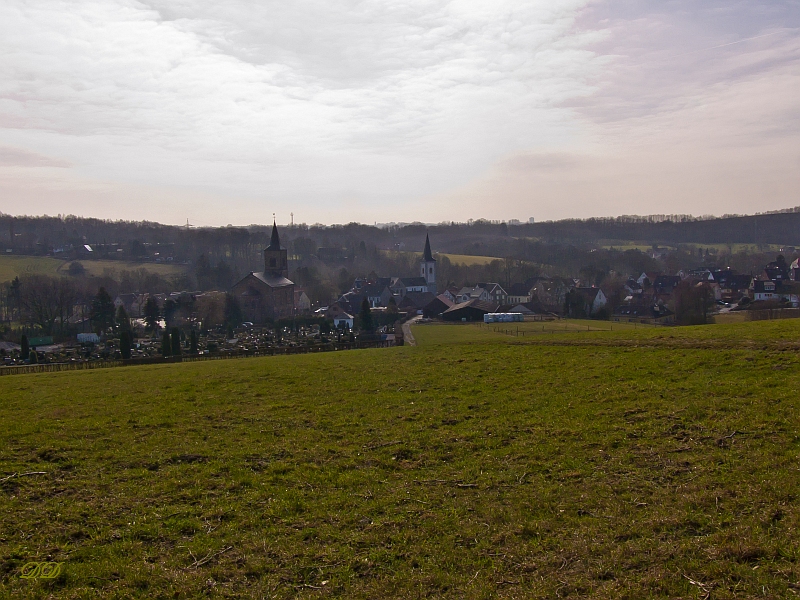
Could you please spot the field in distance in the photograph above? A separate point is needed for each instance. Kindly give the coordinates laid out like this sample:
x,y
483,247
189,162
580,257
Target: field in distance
x,y
19,266
461,259
637,463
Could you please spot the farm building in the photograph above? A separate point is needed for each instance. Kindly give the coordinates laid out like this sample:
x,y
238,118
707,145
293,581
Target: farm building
x,y
469,311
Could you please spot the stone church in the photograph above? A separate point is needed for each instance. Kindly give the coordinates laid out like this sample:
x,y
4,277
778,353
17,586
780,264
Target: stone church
x,y
269,295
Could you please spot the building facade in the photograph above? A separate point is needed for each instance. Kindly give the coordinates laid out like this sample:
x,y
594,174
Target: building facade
x,y
269,295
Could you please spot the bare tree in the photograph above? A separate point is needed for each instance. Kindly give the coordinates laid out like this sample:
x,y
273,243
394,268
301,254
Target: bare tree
x,y
45,301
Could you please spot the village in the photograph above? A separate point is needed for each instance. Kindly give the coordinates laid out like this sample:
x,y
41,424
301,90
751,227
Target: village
x,y
266,312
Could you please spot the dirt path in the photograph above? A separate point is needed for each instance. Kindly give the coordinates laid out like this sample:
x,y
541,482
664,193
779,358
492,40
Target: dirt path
x,y
408,337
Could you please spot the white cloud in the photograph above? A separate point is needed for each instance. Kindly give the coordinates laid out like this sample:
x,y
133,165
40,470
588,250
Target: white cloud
x,y
366,110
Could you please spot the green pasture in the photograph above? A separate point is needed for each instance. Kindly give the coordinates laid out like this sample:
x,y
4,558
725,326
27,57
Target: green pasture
x,y
466,260
20,266
645,463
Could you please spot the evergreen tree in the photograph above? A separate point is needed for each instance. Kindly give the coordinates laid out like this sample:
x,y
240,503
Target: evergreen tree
x,y
365,316
123,322
152,314
176,342
193,342
25,348
233,311
102,314
33,358
125,344
169,310
166,345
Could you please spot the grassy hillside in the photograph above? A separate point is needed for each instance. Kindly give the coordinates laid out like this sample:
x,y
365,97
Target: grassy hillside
x,y
625,464
13,266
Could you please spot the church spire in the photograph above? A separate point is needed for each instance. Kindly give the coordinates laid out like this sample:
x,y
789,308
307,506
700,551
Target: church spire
x,y
426,255
275,241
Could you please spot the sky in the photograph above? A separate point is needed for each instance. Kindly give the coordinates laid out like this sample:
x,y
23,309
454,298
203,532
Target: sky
x,y
397,110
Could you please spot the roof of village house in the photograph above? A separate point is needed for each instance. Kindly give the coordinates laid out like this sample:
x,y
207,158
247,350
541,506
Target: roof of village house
x,y
410,282
519,289
416,300
426,255
642,310
479,304
589,293
271,280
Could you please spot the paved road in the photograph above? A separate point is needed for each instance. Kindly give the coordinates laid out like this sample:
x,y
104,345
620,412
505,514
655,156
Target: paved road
x,y
408,337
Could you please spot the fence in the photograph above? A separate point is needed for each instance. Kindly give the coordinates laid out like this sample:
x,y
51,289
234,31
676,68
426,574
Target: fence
x,y
769,314
157,360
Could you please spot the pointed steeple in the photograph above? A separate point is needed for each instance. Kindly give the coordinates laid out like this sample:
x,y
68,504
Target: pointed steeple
x,y
275,241
426,255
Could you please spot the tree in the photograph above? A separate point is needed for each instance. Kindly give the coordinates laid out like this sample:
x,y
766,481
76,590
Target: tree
x,y
193,342
76,269
166,345
123,322
693,302
102,313
46,300
233,311
176,342
24,347
365,316
152,314
33,358
169,310
125,344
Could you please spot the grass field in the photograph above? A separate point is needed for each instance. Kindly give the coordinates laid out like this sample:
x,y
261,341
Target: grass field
x,y
645,463
464,259
13,266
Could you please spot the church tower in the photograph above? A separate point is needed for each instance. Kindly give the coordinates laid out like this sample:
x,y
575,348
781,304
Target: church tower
x,y
428,267
275,259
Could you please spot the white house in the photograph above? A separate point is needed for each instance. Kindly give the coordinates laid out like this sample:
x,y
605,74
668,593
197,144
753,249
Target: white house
x,y
343,319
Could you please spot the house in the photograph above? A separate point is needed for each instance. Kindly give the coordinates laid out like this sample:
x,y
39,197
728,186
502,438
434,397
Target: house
x,y
414,301
437,306
343,321
378,294
732,287
765,291
302,303
518,293
663,285
552,293
586,301
646,279
466,294
403,285
777,270
794,270
473,310
452,294
649,313
268,295
495,291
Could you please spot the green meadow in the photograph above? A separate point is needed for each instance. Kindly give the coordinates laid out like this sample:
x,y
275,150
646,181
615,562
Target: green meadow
x,y
12,266
633,463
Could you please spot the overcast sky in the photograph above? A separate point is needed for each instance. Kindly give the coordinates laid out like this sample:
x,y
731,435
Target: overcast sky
x,y
362,110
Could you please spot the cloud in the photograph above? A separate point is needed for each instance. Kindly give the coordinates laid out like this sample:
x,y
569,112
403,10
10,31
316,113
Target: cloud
x,y
345,110
18,157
